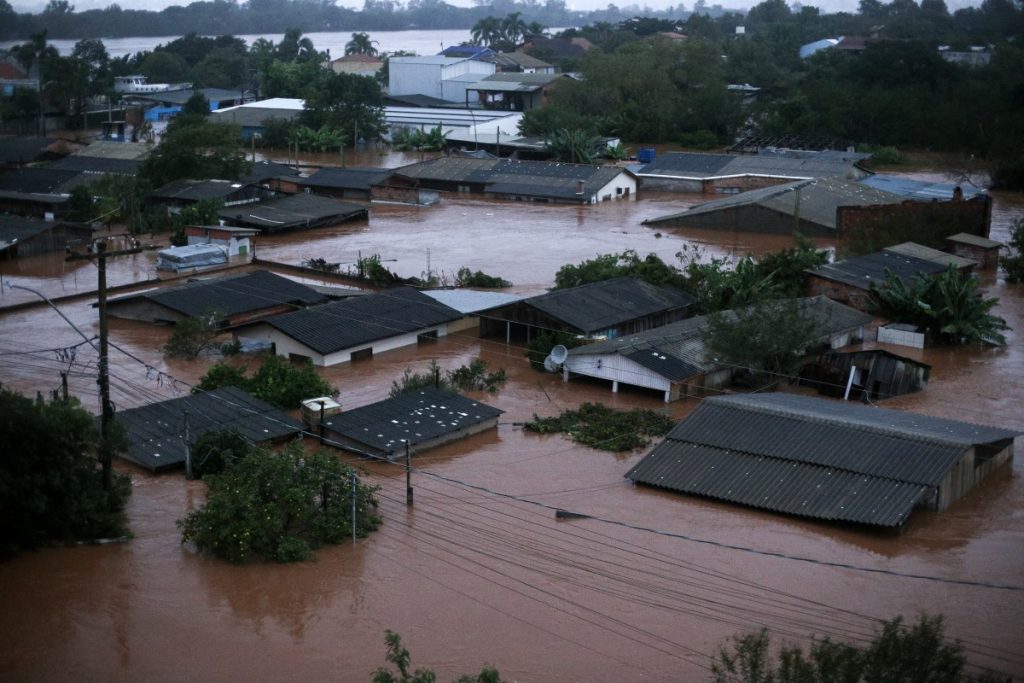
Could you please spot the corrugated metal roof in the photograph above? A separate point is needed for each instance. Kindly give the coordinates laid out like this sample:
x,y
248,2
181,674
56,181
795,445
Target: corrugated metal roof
x,y
364,319
818,201
928,254
346,178
230,295
516,82
293,212
511,176
411,418
197,190
778,485
919,189
863,271
603,305
262,170
36,180
975,240
108,149
154,432
812,457
97,165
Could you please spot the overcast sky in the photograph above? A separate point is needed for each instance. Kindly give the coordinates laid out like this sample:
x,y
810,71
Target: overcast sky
x,y
825,5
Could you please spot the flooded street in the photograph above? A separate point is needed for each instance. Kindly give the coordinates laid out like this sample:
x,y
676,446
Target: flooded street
x,y
479,571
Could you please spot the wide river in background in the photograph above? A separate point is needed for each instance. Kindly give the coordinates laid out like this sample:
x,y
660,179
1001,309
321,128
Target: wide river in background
x,y
644,590
419,42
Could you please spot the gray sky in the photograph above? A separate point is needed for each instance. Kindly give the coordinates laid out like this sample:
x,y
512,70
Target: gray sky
x,y
825,5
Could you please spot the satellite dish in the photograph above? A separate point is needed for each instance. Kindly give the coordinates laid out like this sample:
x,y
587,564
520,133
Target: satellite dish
x,y
550,365
559,354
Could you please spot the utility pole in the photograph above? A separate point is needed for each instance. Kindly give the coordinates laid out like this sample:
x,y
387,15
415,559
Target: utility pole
x,y
408,476
107,417
64,386
355,483
187,438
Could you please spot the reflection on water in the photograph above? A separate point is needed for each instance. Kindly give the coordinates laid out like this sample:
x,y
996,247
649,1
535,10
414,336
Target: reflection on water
x,y
468,576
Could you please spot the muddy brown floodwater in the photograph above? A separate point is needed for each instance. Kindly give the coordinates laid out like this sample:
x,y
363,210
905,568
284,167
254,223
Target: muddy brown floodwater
x,y
479,570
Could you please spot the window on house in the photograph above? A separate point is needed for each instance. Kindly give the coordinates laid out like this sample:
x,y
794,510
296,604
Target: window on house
x,y
362,354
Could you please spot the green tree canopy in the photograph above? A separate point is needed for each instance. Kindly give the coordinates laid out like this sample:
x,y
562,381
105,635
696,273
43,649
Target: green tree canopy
x,y
196,149
51,488
280,507
277,381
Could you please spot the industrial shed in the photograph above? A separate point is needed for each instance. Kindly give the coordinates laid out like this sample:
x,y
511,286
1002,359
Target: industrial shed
x,y
295,212
178,194
341,183
674,358
422,419
823,459
600,309
356,328
234,299
154,433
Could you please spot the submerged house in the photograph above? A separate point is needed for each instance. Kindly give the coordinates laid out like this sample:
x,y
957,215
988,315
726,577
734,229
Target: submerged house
x,y
420,420
734,173
823,459
28,236
610,308
154,432
850,280
231,299
178,194
674,359
538,181
868,374
354,329
294,212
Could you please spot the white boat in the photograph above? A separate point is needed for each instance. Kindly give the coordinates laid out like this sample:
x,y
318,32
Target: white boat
x,y
137,85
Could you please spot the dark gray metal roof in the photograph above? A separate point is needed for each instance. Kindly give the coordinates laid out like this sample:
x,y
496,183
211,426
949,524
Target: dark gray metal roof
x,y
97,165
154,432
346,178
671,367
36,180
294,212
197,190
262,170
512,176
14,229
602,305
252,117
863,271
810,456
230,295
363,319
23,149
920,189
817,202
516,82
411,418
182,96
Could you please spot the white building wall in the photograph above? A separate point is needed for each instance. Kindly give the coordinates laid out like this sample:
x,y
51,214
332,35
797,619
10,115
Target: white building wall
x,y
616,368
285,345
622,186
411,78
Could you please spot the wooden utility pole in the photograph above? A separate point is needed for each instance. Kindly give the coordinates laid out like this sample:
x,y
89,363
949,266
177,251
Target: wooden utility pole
x,y
408,476
187,438
107,416
355,483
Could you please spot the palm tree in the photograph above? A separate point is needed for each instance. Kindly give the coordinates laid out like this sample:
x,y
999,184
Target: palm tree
x,y
513,28
361,45
487,31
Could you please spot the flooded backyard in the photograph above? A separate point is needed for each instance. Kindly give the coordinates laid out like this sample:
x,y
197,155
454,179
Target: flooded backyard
x,y
479,570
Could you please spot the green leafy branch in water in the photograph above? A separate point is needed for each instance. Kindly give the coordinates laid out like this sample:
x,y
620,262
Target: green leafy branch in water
x,y
472,377
604,428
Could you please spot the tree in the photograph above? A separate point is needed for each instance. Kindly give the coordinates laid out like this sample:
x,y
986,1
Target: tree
x,y
277,381
360,44
1014,263
575,146
399,656
198,150
346,102
193,335
213,452
280,507
608,429
294,47
765,342
949,307
918,652
627,264
51,489
472,377
196,106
